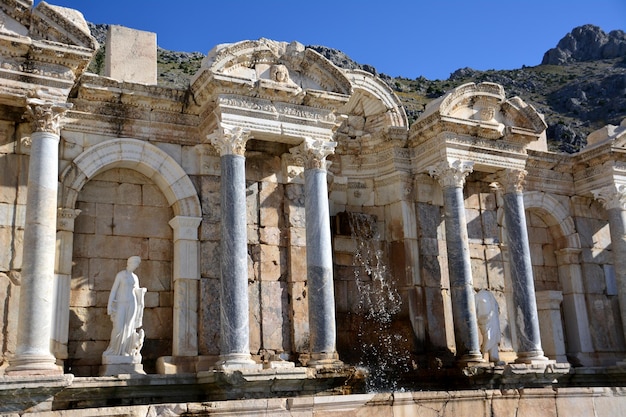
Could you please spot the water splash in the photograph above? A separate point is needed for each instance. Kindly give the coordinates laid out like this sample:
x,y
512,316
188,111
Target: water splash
x,y
378,303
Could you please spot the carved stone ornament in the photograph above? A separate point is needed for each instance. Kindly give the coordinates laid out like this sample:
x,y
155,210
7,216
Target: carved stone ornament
x,y
451,174
279,73
46,116
612,196
230,140
312,153
510,181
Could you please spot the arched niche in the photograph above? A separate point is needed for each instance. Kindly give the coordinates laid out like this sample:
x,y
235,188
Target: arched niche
x,y
174,184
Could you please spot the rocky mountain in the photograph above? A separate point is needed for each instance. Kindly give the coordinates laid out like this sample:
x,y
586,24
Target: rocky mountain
x,y
580,85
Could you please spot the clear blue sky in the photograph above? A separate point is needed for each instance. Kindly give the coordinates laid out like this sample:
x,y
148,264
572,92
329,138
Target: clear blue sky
x,y
405,38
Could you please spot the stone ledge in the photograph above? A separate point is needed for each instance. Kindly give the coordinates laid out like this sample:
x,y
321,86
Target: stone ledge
x,y
31,393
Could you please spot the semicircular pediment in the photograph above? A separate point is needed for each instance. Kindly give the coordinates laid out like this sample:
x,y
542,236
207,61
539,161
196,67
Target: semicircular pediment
x,y
277,64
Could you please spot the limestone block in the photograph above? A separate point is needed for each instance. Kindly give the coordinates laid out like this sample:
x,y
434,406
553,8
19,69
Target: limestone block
x,y
495,275
157,323
271,198
272,263
539,406
605,323
11,254
299,316
103,222
252,203
7,138
487,201
609,405
436,318
141,221
538,234
343,259
210,259
9,304
491,233
479,274
14,174
151,299
549,257
89,323
275,313
477,251
210,198
98,191
210,230
593,278
536,254
252,232
297,236
83,298
160,249
151,195
297,264
472,201
429,218
12,215
155,275
597,256
131,55
341,296
474,225
88,352
296,216
431,271
254,307
209,317
272,236
80,274
166,299
102,273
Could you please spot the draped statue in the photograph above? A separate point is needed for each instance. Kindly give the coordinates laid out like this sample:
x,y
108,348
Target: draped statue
x,y
125,306
488,317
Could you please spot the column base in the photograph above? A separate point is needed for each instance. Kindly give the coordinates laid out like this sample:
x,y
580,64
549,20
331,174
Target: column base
x,y
471,358
325,361
532,358
23,365
236,361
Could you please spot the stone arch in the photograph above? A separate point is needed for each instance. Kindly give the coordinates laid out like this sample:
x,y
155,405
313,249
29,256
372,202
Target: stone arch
x,y
555,214
181,196
140,156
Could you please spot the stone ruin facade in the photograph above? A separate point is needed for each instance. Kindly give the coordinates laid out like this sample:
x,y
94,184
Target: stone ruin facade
x,y
292,227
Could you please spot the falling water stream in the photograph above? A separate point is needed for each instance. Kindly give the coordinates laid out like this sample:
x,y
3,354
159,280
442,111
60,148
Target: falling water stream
x,y
379,302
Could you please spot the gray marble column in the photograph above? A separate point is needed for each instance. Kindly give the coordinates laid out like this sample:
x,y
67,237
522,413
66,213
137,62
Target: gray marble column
x,y
322,326
510,183
613,198
33,355
234,314
451,177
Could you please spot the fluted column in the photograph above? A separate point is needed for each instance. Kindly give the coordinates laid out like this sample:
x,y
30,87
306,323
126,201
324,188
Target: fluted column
x,y
613,198
234,314
322,326
33,356
510,183
451,177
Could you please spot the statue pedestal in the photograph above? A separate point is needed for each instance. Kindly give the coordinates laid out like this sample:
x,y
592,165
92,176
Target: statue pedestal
x,y
117,365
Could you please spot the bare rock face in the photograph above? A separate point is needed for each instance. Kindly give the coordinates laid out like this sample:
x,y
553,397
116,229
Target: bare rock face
x,y
587,43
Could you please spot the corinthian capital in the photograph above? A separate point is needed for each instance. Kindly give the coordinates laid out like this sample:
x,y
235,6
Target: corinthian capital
x,y
230,140
451,174
47,116
612,196
510,181
312,153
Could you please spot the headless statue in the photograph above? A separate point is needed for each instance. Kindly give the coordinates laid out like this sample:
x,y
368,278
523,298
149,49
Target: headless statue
x,y
488,317
126,303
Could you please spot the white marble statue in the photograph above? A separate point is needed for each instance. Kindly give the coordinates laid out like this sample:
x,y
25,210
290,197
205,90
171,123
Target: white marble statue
x,y
488,317
126,303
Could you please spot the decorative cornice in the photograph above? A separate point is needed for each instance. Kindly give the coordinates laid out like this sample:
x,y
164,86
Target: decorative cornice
x,y
230,140
312,153
451,174
510,181
65,218
611,197
47,116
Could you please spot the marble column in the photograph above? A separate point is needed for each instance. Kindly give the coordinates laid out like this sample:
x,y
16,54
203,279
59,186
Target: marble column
x,y
33,355
186,277
322,326
451,177
63,275
234,314
510,183
613,198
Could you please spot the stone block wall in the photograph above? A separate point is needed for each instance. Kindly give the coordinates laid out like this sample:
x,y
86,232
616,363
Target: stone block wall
x,y
122,214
